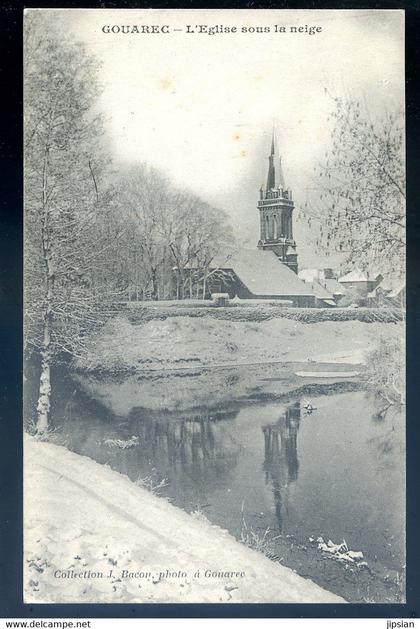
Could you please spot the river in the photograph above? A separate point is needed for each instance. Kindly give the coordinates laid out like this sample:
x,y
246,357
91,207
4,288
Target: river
x,y
278,465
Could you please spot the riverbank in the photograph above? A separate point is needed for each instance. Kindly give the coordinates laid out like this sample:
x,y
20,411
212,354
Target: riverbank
x,y
179,391
93,536
184,342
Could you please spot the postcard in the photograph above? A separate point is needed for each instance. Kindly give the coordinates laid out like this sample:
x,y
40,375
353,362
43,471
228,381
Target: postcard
x,y
214,299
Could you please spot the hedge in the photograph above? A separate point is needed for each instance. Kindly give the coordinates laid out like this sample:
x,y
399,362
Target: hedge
x,y
264,313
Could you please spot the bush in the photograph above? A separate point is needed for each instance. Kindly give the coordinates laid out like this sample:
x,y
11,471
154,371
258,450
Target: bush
x,y
385,373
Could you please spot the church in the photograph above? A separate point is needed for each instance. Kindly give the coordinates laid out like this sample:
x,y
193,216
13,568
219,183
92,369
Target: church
x,y
270,270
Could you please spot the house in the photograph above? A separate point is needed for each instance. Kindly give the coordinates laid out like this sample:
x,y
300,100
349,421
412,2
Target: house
x,y
361,283
334,287
324,299
327,289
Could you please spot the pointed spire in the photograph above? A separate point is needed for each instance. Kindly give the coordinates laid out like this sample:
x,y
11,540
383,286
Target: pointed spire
x,y
271,177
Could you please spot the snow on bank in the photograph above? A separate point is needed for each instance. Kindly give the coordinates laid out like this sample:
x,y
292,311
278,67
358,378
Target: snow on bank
x,y
178,391
92,536
327,374
180,342
207,390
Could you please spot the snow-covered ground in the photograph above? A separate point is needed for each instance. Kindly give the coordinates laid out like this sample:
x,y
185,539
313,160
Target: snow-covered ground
x,y
185,342
92,536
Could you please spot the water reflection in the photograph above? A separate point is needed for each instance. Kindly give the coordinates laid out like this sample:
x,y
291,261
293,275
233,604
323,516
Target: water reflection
x,y
195,453
199,447
240,453
281,463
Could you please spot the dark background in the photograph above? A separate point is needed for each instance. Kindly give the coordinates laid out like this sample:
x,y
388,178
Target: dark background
x,y
11,219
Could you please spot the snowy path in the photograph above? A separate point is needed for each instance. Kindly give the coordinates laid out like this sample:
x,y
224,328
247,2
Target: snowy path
x,y
91,535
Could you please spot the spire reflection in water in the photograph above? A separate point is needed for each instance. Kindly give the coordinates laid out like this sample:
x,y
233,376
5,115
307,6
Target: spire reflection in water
x,y
281,463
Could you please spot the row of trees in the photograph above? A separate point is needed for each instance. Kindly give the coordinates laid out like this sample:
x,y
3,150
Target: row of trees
x,y
172,237
93,236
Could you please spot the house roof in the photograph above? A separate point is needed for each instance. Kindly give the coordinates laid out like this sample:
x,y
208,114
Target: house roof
x,y
326,289
358,276
333,286
320,291
262,273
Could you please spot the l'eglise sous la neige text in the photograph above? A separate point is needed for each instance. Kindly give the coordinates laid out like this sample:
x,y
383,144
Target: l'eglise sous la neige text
x,y
166,29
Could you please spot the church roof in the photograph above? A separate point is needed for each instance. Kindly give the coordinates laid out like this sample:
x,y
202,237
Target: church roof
x,y
262,273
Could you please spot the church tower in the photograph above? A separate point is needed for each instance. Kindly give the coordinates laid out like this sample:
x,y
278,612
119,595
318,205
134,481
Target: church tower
x,y
276,216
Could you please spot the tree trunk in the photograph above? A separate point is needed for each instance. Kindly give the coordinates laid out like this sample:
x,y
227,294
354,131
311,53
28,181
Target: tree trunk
x,y
154,286
180,283
43,406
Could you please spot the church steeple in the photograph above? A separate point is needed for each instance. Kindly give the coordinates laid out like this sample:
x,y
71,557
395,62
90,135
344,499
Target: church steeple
x,y
276,215
271,177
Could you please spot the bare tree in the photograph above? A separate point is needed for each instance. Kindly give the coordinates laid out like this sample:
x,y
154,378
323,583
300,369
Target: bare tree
x,y
357,204
172,231
144,200
64,202
196,234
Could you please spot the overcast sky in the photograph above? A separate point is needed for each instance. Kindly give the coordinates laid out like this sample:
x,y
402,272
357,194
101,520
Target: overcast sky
x,y
202,107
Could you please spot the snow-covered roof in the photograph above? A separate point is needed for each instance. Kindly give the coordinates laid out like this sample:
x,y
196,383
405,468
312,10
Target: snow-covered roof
x,y
333,286
262,272
319,291
326,289
358,276
308,275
